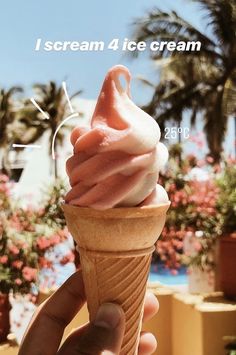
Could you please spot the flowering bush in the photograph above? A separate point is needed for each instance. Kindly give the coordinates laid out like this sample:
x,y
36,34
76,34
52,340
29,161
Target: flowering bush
x,y
45,240
216,213
205,224
227,197
27,238
4,201
52,228
52,213
18,265
4,194
193,208
169,247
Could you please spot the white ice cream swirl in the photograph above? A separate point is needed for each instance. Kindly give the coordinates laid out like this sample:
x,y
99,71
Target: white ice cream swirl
x,y
116,161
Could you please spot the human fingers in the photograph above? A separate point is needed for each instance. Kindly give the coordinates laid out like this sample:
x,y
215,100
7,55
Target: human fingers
x,y
151,306
47,326
147,344
104,335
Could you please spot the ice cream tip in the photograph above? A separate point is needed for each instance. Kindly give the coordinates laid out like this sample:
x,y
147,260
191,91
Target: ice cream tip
x,y
116,160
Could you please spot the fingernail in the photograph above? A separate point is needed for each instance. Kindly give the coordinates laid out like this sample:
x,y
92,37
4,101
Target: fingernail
x,y
108,316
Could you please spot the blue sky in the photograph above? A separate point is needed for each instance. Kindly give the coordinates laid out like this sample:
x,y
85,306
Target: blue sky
x,y
22,22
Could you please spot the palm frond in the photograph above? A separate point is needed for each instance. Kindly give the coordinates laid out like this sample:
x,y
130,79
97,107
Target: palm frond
x,y
161,26
7,114
202,81
229,95
77,93
145,81
221,17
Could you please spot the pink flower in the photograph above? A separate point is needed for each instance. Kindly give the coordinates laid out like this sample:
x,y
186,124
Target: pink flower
x,y
14,250
41,211
4,178
45,263
17,264
69,258
3,259
29,273
18,281
43,243
209,159
55,239
197,246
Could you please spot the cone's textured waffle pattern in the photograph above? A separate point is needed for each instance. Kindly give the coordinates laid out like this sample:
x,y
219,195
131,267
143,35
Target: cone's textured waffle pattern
x,y
115,248
119,280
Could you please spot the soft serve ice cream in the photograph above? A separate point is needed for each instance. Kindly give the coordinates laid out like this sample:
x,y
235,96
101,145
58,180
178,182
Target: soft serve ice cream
x,y
116,161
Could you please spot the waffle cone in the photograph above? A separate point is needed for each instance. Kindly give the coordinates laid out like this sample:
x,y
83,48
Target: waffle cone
x,y
115,247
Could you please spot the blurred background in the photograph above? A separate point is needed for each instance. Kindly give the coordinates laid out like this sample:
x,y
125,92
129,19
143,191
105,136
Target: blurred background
x,y
192,96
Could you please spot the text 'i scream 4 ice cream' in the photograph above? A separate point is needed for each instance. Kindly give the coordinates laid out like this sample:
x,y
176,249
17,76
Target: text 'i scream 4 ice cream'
x,y
117,159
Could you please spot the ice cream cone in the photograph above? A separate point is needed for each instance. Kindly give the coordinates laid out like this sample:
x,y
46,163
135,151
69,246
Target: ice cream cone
x,y
115,246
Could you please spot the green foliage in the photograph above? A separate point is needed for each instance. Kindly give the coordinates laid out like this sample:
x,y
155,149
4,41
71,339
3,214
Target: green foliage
x,y
4,195
7,117
52,213
52,100
22,123
201,81
6,112
227,198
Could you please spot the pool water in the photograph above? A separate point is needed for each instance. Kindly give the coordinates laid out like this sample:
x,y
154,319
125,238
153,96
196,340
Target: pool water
x,y
165,276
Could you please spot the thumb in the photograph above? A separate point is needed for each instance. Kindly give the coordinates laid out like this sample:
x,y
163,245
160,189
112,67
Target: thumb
x,y
104,335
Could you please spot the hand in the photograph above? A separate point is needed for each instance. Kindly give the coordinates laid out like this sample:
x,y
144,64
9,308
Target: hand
x,y
103,336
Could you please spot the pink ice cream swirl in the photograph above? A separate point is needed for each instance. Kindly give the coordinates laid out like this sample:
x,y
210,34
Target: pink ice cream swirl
x,y
116,161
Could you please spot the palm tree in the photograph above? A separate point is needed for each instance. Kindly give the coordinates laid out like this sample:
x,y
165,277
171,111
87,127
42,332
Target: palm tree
x,y
7,116
52,100
202,81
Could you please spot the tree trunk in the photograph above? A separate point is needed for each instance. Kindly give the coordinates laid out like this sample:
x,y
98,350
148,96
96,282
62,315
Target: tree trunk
x,y
235,136
55,162
55,169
